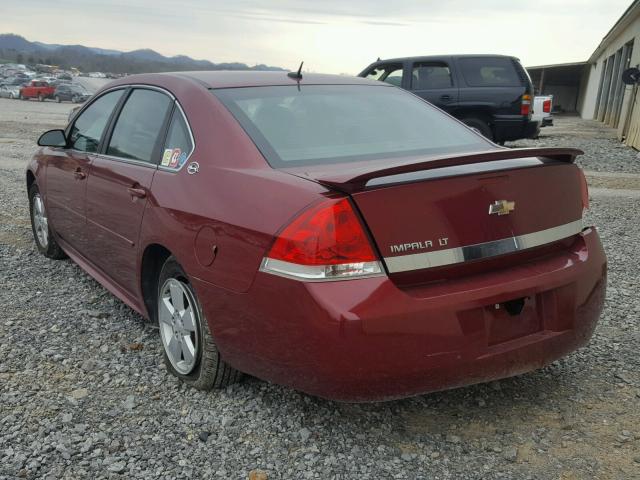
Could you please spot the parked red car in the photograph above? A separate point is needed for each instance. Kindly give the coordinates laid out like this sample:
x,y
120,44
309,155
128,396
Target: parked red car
x,y
37,89
334,234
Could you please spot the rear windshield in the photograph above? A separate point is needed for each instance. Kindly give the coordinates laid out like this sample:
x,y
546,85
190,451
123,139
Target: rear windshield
x,y
317,124
490,72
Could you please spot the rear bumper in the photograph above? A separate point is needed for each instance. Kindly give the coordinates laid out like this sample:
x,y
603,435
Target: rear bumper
x,y
366,340
514,127
547,122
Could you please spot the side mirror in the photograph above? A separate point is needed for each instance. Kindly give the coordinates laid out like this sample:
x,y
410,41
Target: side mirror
x,y
53,138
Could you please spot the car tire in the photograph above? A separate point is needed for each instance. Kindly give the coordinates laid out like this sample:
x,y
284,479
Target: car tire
x,y
479,126
58,99
42,232
189,350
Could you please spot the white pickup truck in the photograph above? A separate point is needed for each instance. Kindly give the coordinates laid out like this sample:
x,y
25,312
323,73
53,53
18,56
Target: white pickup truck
x,y
542,106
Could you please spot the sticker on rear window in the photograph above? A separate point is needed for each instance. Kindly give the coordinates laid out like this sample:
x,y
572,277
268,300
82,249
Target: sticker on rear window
x,y
175,156
166,157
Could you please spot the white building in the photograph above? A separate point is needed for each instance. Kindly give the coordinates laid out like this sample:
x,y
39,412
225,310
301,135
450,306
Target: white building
x,y
594,88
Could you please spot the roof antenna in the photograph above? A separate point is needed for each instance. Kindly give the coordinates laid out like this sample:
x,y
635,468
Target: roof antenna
x,y
296,75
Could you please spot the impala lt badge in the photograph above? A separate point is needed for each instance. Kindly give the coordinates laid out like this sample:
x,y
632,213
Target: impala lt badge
x,y
502,207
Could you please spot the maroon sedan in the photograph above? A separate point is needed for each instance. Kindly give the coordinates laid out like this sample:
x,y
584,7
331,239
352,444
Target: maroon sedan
x,y
335,234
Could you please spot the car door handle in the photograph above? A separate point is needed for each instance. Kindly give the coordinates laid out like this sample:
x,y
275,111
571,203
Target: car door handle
x,y
137,192
79,174
445,97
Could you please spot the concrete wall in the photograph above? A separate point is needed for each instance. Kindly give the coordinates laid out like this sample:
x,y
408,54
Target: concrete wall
x,y
587,107
587,102
564,96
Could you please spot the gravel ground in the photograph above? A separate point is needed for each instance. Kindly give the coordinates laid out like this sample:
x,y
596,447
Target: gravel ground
x,y
84,394
602,150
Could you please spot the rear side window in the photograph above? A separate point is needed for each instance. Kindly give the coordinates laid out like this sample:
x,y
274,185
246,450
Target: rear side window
x,y
178,145
430,76
138,126
489,72
316,124
88,128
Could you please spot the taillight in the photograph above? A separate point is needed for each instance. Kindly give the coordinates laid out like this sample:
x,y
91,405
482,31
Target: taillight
x,y
546,106
584,189
525,105
325,242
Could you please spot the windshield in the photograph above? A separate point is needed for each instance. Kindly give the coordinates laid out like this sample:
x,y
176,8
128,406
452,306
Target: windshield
x,y
317,124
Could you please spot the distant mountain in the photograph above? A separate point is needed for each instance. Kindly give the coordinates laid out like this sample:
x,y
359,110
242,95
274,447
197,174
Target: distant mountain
x,y
53,46
15,48
147,54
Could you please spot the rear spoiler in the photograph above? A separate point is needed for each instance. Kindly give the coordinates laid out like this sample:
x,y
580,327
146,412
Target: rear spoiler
x,y
353,181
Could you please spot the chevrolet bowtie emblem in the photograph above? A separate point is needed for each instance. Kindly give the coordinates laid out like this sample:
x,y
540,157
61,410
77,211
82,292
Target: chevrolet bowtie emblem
x,y
502,207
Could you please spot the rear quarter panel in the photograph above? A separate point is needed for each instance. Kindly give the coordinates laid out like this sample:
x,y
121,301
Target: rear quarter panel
x,y
235,203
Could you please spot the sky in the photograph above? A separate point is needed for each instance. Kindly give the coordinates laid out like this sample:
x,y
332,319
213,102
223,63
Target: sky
x,y
331,36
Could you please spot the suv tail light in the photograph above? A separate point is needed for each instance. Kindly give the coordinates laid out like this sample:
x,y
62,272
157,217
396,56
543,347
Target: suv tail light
x,y
546,106
525,105
325,242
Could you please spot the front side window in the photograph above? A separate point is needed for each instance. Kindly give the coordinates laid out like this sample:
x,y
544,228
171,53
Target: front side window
x,y
318,124
138,126
391,73
430,76
88,128
178,145
490,72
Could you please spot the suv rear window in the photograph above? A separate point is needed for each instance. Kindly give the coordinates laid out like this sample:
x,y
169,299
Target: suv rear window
x,y
489,72
317,124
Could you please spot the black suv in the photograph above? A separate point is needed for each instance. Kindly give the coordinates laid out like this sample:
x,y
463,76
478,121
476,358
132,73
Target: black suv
x,y
492,94
70,92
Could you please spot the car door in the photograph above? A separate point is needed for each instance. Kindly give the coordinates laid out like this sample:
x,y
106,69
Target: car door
x,y
68,170
120,181
434,81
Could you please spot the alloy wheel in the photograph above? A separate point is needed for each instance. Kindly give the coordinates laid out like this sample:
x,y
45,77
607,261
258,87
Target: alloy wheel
x,y
179,322
40,222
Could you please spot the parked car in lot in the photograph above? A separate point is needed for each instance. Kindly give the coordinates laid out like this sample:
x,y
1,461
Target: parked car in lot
x,y
490,93
16,81
9,91
542,108
334,234
70,93
36,89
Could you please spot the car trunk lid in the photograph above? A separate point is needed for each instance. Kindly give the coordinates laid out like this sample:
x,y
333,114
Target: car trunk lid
x,y
442,212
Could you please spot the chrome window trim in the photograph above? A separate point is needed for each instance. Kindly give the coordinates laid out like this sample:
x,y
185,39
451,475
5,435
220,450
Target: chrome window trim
x,y
95,97
131,161
193,142
451,256
156,166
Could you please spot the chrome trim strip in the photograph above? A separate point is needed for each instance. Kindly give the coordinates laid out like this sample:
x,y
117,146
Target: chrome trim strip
x,y
452,256
315,273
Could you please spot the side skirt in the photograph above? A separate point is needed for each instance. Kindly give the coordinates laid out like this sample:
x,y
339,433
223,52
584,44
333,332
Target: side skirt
x,y
103,279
